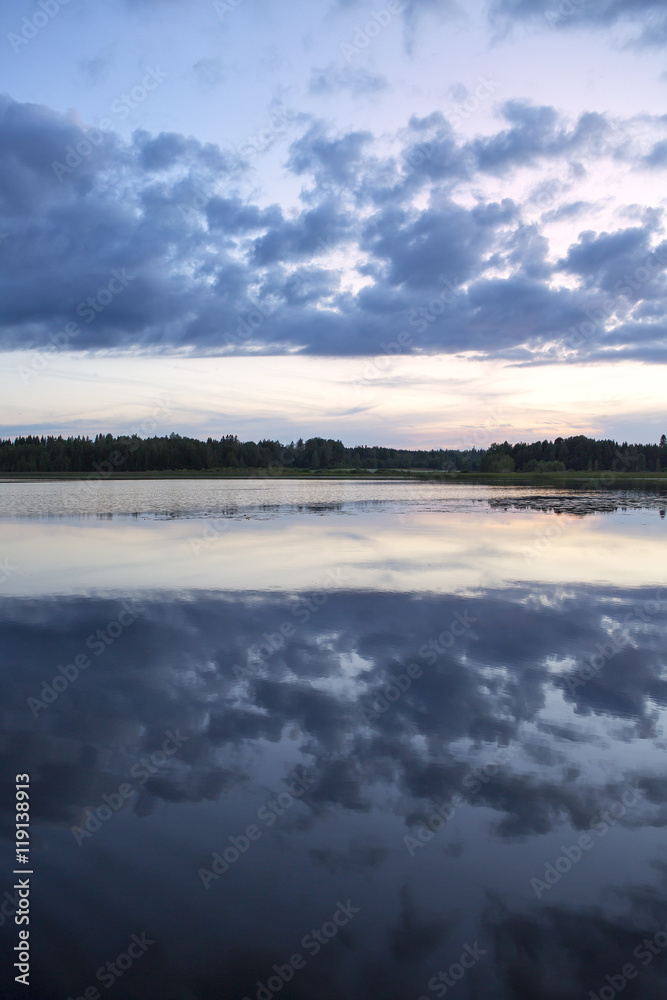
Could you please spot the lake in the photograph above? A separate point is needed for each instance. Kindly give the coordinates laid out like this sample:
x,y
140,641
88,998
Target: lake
x,y
314,740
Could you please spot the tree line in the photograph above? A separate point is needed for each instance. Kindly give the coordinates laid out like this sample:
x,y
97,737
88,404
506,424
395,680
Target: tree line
x,y
577,454
107,453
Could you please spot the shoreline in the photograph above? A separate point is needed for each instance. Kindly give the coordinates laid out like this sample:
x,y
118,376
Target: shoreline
x,y
589,480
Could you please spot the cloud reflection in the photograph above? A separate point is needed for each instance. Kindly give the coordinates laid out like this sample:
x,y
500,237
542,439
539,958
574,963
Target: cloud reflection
x,y
373,778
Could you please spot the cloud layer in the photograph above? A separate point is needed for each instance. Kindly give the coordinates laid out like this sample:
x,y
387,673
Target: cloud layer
x,y
431,238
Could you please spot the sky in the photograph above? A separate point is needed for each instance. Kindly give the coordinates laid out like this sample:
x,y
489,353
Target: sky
x,y
415,223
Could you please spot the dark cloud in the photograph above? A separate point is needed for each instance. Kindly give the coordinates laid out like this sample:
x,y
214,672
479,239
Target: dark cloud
x,y
315,232
161,153
536,132
330,160
658,155
446,243
433,153
622,263
197,259
231,215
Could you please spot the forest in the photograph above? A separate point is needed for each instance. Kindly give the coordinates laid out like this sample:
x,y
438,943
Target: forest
x,y
106,454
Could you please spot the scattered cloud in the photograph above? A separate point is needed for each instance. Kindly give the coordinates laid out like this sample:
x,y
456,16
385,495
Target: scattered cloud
x,y
647,17
358,80
382,243
209,72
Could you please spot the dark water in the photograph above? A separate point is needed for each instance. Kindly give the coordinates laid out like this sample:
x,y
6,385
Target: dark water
x,y
335,740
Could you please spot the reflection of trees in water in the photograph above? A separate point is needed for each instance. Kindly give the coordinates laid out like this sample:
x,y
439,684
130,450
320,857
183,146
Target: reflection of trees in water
x,y
583,505
563,951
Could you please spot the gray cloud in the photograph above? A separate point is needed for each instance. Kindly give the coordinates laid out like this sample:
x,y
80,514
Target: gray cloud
x,y
647,16
210,270
358,80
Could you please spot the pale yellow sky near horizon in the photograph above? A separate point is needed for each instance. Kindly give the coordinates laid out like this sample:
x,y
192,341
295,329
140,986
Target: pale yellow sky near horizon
x,y
436,401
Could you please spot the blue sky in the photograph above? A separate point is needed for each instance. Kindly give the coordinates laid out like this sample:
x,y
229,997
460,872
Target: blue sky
x,y
428,223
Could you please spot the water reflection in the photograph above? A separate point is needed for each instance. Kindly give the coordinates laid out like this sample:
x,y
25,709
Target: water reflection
x,y
270,497
391,709
389,550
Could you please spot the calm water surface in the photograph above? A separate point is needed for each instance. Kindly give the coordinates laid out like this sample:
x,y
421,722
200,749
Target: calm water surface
x,y
315,740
